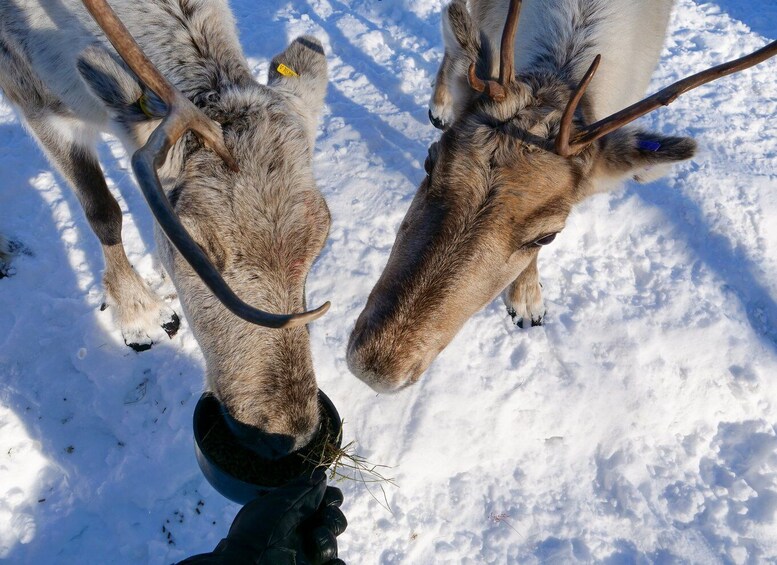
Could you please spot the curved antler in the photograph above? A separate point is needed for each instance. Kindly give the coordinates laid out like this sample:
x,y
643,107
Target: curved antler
x,y
565,128
664,97
183,116
495,89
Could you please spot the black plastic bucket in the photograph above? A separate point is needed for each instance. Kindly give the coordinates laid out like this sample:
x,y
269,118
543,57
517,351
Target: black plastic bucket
x,y
208,412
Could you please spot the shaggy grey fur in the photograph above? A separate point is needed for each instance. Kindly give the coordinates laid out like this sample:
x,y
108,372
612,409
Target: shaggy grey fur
x,y
262,227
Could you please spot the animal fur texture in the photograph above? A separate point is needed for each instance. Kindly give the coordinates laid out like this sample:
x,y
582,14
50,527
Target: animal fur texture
x,y
495,190
262,227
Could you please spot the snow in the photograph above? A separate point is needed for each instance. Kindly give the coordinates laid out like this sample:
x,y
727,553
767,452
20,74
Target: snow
x,y
637,425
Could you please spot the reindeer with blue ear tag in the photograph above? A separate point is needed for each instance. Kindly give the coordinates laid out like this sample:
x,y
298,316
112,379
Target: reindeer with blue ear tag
x,y
535,121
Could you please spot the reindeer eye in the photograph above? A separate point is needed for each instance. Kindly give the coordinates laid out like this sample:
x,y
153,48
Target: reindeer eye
x,y
544,240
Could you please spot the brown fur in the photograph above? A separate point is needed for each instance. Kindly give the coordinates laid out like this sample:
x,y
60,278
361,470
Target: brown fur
x,y
494,188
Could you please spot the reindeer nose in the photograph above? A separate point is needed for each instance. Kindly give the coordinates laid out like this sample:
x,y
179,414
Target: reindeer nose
x,y
385,364
264,444
384,374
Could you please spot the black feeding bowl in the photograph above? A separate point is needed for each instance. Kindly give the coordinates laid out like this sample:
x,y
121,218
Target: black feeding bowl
x,y
239,473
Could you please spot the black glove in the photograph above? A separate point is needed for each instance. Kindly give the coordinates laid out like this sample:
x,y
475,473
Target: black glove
x,y
293,525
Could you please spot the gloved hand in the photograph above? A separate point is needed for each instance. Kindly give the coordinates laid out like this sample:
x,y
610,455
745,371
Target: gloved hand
x,y
293,525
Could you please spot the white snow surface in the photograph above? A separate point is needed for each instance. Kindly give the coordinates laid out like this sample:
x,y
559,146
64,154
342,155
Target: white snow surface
x,y
639,425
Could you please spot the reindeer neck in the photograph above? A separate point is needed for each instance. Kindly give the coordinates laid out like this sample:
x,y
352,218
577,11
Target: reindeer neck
x,y
204,56
193,44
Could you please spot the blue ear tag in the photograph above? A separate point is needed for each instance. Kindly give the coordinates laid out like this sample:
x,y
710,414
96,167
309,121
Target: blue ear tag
x,y
649,145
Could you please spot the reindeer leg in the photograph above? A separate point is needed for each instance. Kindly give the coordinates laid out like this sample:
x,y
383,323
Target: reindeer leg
x,y
139,312
523,297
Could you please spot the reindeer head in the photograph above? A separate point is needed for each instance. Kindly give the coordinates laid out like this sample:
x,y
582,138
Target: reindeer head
x,y
262,227
245,219
500,185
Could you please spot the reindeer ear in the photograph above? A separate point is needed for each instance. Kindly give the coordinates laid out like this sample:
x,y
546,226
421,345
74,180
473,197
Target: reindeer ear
x,y
462,41
462,48
112,82
641,155
301,69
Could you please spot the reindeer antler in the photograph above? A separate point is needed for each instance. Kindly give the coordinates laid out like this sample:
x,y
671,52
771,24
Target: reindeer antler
x,y
589,134
565,128
183,116
496,89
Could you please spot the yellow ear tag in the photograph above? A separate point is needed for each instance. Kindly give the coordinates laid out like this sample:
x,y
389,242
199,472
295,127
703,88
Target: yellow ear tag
x,y
286,71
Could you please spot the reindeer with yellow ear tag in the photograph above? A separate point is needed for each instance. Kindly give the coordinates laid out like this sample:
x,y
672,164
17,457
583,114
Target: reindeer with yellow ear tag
x,y
225,165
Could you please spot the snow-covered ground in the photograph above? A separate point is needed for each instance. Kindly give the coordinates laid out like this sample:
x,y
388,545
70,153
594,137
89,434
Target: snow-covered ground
x,y
638,425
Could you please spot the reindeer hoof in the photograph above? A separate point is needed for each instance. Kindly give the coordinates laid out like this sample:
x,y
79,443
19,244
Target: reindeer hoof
x,y
137,339
138,347
523,323
171,327
437,122
142,317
